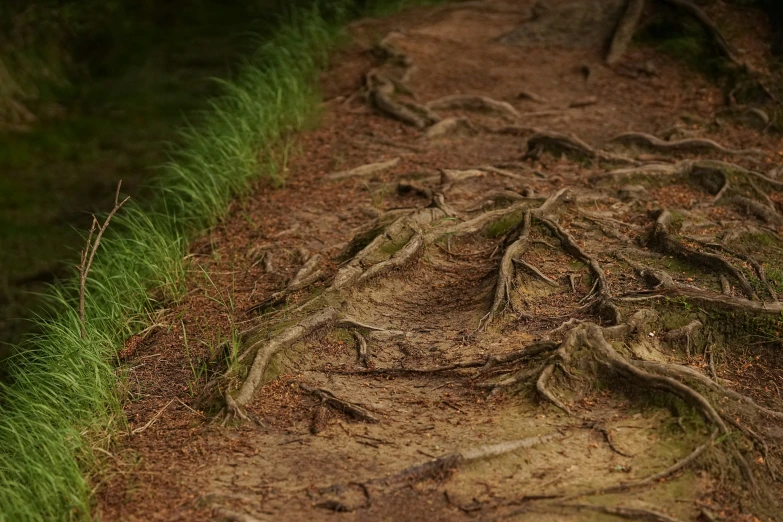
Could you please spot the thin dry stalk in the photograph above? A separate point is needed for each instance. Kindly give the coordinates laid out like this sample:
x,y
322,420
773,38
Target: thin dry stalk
x,y
88,254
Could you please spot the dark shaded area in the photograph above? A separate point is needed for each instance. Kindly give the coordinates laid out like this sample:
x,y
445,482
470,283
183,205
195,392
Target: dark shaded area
x,y
774,9
90,93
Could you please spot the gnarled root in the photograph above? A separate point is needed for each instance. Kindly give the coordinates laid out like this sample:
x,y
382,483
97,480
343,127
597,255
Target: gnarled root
x,y
695,145
307,275
569,145
406,230
505,277
380,95
759,210
654,478
662,241
364,170
348,408
513,253
686,332
362,352
449,127
484,363
625,30
599,297
474,103
651,375
266,349
447,463
686,373
442,467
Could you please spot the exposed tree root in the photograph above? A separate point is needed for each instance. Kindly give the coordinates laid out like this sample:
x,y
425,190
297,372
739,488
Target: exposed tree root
x,y
397,260
758,441
320,419
759,210
501,198
474,103
542,387
478,223
513,254
661,240
267,349
502,172
405,230
687,145
686,332
583,102
442,467
451,176
438,469
348,408
686,373
361,349
619,177
607,433
380,92
409,186
757,267
505,277
384,104
388,52
449,127
569,145
590,336
599,296
625,30
709,299
632,513
364,170
706,173
535,271
484,363
307,275
445,464
725,286
429,116
651,479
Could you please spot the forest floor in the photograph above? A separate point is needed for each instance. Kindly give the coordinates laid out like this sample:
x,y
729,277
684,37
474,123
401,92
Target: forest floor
x,y
551,293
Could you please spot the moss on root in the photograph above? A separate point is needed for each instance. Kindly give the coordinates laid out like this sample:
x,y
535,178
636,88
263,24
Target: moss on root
x,y
503,226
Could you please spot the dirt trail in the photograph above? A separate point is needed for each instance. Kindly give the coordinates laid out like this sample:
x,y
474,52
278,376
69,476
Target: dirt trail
x,y
503,281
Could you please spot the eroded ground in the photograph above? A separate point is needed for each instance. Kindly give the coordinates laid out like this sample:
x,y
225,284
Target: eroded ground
x,y
514,309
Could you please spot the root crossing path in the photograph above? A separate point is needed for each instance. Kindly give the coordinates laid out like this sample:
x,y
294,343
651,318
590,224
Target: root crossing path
x,y
503,280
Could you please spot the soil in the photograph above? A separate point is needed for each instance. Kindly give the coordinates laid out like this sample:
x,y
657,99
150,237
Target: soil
x,y
522,317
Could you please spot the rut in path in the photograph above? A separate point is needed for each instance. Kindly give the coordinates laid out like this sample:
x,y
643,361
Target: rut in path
x,y
505,281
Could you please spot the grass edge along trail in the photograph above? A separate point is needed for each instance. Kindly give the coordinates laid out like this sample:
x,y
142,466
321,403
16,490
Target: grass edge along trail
x,y
60,409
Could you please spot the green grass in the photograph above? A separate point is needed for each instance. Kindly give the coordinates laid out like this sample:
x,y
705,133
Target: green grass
x,y
60,405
